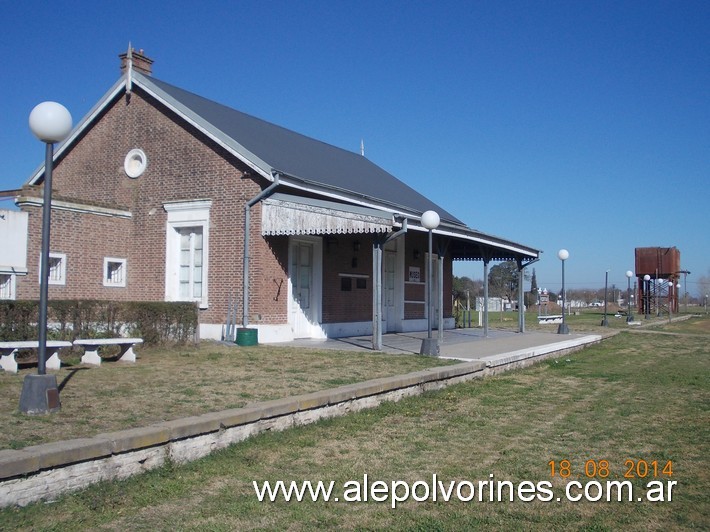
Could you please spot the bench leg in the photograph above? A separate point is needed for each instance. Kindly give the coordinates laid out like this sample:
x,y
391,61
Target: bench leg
x,y
127,354
8,362
91,355
54,362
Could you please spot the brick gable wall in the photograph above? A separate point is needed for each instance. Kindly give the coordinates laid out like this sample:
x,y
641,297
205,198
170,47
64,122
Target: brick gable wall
x,y
182,165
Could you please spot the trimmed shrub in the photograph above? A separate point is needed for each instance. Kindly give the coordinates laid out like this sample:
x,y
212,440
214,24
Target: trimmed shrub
x,y
155,322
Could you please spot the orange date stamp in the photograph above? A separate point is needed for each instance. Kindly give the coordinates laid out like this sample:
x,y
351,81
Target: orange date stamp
x,y
630,468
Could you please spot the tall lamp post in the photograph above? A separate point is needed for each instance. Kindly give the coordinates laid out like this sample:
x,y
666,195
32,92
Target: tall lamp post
x,y
50,122
646,294
430,346
673,299
629,314
605,323
563,255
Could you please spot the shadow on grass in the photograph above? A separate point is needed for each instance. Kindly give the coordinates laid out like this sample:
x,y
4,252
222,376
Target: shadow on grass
x,y
66,380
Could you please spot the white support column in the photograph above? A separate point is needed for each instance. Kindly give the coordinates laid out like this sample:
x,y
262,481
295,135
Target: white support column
x,y
485,297
377,294
440,295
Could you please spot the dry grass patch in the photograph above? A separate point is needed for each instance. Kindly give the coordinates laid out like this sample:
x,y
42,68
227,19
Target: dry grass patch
x,y
642,396
179,382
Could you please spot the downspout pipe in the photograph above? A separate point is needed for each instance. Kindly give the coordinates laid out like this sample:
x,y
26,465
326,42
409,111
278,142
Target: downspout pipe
x,y
247,227
397,234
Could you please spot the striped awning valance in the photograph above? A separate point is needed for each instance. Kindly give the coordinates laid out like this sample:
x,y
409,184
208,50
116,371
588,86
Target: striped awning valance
x,y
292,215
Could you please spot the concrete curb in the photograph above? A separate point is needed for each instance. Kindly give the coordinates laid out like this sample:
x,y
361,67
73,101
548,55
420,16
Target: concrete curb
x,y
46,471
507,359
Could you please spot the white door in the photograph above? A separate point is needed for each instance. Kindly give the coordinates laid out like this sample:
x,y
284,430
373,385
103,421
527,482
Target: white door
x,y
301,284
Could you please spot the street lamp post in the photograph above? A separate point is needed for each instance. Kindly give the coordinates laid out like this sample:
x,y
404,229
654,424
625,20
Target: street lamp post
x,y
672,299
50,122
430,346
563,255
646,294
629,314
605,323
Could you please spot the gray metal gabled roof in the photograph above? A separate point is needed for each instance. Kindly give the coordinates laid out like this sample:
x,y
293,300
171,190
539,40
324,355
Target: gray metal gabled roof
x,y
304,163
300,157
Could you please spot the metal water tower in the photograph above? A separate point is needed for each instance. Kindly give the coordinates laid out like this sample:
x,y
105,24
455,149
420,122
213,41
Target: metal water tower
x,y
658,293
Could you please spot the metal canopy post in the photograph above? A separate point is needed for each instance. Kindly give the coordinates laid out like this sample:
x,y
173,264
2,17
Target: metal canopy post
x,y
440,297
521,294
443,245
377,294
485,296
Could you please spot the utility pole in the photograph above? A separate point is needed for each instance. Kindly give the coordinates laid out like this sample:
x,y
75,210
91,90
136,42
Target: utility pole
x,y
685,289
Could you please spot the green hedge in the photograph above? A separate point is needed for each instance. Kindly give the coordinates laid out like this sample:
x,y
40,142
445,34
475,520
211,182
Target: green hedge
x,y
156,323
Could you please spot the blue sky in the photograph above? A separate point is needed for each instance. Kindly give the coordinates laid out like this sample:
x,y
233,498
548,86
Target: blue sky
x,y
582,125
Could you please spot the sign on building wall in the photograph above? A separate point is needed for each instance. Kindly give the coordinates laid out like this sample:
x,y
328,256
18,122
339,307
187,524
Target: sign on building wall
x,y
414,275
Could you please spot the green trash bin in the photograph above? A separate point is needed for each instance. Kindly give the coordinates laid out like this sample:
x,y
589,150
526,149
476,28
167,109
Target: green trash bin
x,y
246,336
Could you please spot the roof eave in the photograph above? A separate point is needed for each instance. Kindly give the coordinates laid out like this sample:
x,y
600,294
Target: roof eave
x,y
217,135
347,195
81,126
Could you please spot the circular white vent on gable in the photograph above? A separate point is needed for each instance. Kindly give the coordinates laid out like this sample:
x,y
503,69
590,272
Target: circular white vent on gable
x,y
135,163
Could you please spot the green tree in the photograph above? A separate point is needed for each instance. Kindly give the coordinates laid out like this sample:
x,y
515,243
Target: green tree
x,y
532,295
466,289
503,280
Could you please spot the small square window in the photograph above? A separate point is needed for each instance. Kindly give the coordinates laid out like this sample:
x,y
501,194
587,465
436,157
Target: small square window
x,y
57,268
361,283
346,284
115,271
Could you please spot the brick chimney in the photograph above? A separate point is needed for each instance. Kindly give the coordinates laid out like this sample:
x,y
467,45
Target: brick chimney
x,y
141,62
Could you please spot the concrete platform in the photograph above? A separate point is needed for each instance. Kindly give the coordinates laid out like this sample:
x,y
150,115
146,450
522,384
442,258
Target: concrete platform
x,y
498,348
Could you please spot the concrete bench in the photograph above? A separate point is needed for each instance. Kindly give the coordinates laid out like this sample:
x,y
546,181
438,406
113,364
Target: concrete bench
x,y
553,318
91,348
8,350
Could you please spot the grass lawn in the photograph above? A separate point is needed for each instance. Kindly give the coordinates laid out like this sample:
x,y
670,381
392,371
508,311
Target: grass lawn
x,y
180,382
634,397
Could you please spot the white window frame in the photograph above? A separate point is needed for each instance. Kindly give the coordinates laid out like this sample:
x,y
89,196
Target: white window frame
x,y
181,215
7,288
188,270
135,163
60,279
121,282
